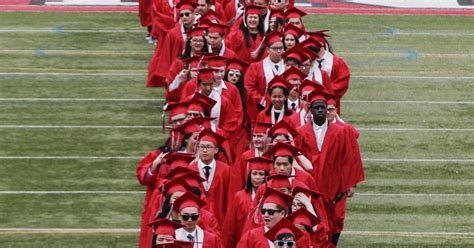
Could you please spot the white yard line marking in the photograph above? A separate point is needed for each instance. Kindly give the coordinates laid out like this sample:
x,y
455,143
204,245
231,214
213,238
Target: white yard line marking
x,y
59,30
409,102
413,77
118,73
415,160
78,127
77,192
68,230
74,52
467,235
83,99
412,194
160,127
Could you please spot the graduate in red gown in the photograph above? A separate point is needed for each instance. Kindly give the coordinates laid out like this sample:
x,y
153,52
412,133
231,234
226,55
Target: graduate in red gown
x,y
327,147
334,66
274,207
144,13
163,231
308,223
216,35
188,207
311,47
277,110
172,45
284,234
216,173
239,208
240,168
295,77
259,74
247,37
291,36
305,116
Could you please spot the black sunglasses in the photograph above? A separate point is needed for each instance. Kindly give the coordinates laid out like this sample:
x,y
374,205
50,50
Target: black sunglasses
x,y
187,14
192,217
269,211
234,74
289,243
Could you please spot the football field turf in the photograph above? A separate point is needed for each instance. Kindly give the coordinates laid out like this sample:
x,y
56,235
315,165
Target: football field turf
x,y
76,116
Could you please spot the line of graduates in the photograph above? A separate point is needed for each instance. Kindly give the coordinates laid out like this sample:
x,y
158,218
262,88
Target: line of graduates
x,y
257,153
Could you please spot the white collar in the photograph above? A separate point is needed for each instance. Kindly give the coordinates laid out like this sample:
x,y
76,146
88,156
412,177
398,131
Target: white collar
x,y
324,126
202,164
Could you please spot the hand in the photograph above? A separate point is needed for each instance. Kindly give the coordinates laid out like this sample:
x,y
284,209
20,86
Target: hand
x,y
303,199
183,74
351,192
158,160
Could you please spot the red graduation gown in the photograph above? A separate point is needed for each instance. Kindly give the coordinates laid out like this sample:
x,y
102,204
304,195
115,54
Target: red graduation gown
x,y
236,217
263,117
239,171
237,44
217,194
340,76
255,85
144,12
254,238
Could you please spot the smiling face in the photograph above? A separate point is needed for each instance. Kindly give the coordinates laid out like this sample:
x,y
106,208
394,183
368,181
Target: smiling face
x,y
197,44
252,21
258,140
277,97
272,214
186,216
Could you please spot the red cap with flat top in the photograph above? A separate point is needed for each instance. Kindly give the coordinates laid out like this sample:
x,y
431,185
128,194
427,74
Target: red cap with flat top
x,y
215,61
197,32
310,54
176,109
278,13
293,30
164,226
189,126
296,54
253,10
236,64
188,200
179,170
279,181
303,217
176,159
175,185
201,103
259,163
217,28
318,95
209,135
306,191
272,37
206,74
284,226
193,61
283,149
282,127
261,127
293,73
294,13
193,179
278,81
308,85
319,36
186,5
276,197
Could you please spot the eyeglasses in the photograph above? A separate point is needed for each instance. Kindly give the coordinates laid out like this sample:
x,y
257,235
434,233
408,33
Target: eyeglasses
x,y
204,147
277,48
185,14
270,212
289,243
234,74
197,41
192,217
331,109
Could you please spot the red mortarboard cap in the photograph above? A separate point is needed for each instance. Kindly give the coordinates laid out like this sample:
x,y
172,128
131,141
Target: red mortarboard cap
x,y
284,226
176,159
282,127
210,16
253,10
308,85
193,61
259,163
303,217
278,13
310,42
306,191
175,185
215,61
186,4
318,95
209,135
294,30
217,28
180,170
319,36
294,13
283,149
171,245
201,103
204,23
261,127
293,73
190,126
206,73
276,197
164,226
176,108
206,121
193,178
310,54
332,101
236,64
272,37
296,54
199,31
188,200
278,81
279,181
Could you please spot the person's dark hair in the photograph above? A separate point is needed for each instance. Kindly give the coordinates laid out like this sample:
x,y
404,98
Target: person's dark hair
x,y
248,184
286,93
165,208
279,23
284,236
297,41
241,87
290,159
298,63
280,134
187,49
246,33
185,141
166,147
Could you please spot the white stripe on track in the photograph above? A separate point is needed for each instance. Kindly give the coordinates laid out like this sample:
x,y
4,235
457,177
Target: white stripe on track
x,y
77,127
413,77
466,235
408,102
74,52
73,73
411,194
59,31
82,99
160,127
67,230
77,192
419,160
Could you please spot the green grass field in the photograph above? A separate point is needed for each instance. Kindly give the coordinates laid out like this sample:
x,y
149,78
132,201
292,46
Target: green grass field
x,y
412,79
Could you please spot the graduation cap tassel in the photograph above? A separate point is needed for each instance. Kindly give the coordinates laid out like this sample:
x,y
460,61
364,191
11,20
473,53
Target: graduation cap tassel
x,y
163,118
